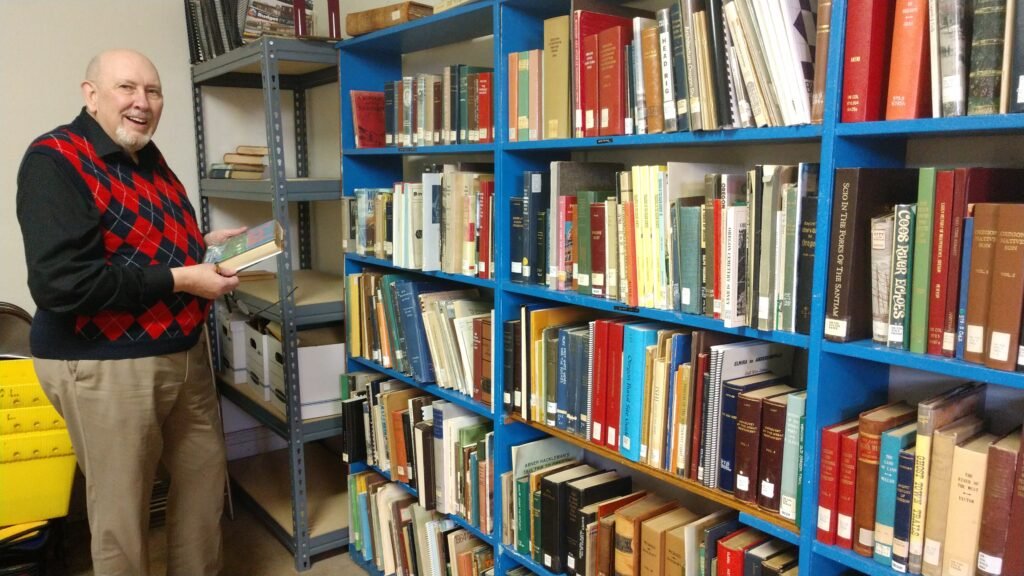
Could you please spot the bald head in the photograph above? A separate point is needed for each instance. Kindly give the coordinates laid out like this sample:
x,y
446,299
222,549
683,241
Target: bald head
x,y
122,91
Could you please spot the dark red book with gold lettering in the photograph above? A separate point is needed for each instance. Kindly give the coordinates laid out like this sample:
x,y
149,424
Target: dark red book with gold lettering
x,y
866,59
611,74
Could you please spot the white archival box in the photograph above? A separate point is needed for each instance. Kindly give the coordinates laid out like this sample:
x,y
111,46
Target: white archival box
x,y
321,354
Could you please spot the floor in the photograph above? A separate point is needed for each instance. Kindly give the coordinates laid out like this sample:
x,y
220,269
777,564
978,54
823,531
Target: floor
x,y
249,549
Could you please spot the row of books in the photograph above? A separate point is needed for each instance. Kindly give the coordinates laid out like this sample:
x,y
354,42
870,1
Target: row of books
x,y
444,222
393,532
429,330
925,489
700,405
942,247
911,59
438,448
245,163
690,66
453,107
219,26
578,519
689,237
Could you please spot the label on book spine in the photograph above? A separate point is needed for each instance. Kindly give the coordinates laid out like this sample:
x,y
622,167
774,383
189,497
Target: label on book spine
x,y
999,349
835,328
824,517
932,549
990,564
844,526
975,339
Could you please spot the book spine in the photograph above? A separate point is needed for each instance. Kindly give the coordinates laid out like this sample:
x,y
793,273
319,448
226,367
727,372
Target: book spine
x,y
822,35
1007,291
885,501
805,263
954,34
965,274
983,85
828,487
598,256
909,82
901,518
983,248
1013,560
513,98
866,60
996,505
1016,102
789,505
882,228
902,266
936,293
848,489
769,467
589,87
837,300
667,76
924,223
680,89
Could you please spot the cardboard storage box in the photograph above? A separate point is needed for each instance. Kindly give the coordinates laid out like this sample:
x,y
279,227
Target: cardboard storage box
x,y
256,362
321,354
231,326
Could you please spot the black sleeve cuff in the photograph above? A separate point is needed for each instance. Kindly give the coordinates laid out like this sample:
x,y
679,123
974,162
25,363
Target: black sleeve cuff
x,y
158,282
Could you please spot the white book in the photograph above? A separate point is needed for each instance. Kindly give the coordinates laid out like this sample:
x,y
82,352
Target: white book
x,y
464,335
431,214
414,236
746,66
801,30
775,41
933,57
734,295
658,234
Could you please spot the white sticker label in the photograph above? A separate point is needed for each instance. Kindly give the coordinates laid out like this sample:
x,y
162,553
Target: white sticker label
x,y
517,267
878,239
536,182
344,457
598,279
590,120
975,339
583,279
643,451
629,126
767,489
597,431
999,349
990,564
570,562
824,518
959,567
686,296
762,308
396,14
948,340
717,306
883,550
547,560
895,333
835,328
604,117
883,536
625,442
579,117
866,537
519,401
742,482
526,270
932,551
900,548
787,507
844,526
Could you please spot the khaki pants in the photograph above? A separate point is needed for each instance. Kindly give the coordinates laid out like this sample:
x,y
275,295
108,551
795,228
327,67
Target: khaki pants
x,y
126,416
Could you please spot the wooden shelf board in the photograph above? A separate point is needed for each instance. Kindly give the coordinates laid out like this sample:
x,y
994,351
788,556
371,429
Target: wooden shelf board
x,y
266,479
684,483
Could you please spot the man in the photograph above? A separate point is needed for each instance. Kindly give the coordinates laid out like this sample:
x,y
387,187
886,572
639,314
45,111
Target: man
x,y
114,265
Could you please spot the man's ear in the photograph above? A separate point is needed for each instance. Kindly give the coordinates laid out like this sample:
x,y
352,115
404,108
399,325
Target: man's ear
x,y
89,94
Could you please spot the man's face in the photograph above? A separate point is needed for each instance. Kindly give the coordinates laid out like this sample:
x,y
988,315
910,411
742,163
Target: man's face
x,y
126,98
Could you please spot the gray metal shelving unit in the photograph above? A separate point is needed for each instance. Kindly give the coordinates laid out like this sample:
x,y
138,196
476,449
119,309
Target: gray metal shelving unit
x,y
272,65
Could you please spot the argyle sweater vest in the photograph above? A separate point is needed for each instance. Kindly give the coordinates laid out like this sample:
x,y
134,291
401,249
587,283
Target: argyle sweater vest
x,y
146,220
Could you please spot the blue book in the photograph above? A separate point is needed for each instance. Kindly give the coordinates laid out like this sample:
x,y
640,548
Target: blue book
x,y
421,366
364,519
893,441
904,501
536,198
562,417
731,391
965,276
681,344
636,339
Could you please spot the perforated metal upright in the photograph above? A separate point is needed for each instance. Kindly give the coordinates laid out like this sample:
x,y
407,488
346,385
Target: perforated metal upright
x,y
272,65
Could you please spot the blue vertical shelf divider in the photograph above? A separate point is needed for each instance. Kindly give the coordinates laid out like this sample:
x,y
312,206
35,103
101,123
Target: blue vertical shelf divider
x,y
843,379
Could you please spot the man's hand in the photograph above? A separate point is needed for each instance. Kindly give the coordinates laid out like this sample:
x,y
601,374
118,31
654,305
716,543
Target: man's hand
x,y
223,235
204,280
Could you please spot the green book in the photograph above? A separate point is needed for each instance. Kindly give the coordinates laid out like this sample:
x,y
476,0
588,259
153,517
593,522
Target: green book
x,y
921,283
789,503
898,335
523,518
538,526
984,82
468,436
689,259
791,206
584,199
353,506
523,105
241,251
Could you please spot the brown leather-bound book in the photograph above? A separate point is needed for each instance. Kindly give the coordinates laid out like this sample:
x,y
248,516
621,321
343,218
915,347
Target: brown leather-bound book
x,y
654,547
651,58
986,222
748,439
359,23
1007,291
628,521
821,61
872,424
1013,561
860,194
769,466
995,508
965,499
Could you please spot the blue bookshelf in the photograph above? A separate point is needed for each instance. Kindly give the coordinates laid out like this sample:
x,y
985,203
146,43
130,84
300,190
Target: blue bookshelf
x,y
842,379
461,278
444,393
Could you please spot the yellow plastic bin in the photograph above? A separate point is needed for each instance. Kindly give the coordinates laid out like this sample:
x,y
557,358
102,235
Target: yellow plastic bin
x,y
36,472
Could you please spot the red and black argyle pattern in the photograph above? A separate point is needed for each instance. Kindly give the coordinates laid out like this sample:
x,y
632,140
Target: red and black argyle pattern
x,y
147,220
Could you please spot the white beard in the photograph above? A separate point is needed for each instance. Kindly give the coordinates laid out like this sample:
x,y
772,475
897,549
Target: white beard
x,y
130,140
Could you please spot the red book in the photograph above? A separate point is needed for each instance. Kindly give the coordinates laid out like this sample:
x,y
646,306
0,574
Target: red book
x,y
866,59
368,118
971,186
485,109
732,549
695,415
598,265
566,219
828,478
584,24
614,388
589,94
909,71
1013,561
630,232
484,259
943,223
599,370
846,496
611,81
333,20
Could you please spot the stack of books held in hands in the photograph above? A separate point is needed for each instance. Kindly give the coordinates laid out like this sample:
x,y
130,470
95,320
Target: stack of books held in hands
x,y
245,163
